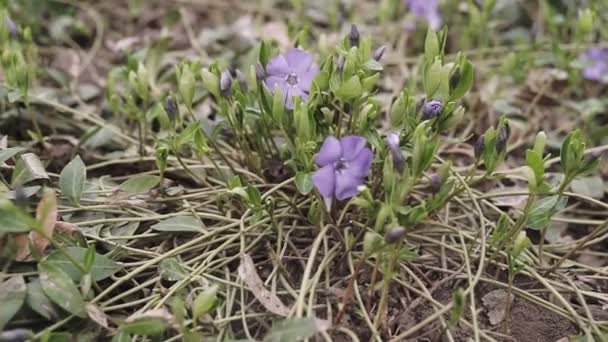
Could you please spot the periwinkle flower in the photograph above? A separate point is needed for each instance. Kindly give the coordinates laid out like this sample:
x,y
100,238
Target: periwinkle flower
x,y
435,183
260,73
431,109
10,25
171,107
394,235
226,83
240,77
379,53
427,10
353,36
293,73
392,141
344,164
596,68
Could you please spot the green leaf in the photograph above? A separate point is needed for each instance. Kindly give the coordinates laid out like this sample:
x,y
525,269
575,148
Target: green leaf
x,y
38,301
536,163
204,302
466,80
102,267
139,184
58,286
8,153
72,179
295,329
431,45
304,182
542,210
12,296
373,65
179,224
150,323
432,78
172,270
349,89
12,219
121,336
28,168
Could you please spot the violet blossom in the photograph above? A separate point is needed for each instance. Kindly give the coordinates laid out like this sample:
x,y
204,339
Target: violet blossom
x,y
392,141
427,10
293,73
596,67
344,164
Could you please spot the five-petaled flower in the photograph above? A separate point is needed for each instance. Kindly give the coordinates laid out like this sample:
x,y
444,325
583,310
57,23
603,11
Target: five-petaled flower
x,y
427,10
344,164
293,73
596,68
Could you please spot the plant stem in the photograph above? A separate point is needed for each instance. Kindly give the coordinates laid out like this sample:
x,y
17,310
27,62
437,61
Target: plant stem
x,y
386,286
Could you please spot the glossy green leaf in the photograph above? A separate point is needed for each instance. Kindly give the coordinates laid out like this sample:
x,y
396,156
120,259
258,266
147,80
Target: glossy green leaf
x,y
179,224
101,267
542,210
349,89
172,270
12,296
304,182
38,301
72,180
139,184
60,288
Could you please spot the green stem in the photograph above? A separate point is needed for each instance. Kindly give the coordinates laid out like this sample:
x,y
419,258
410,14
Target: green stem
x,y
386,286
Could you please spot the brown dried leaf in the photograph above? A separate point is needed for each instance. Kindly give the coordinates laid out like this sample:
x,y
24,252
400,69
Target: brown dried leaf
x,y
269,300
46,214
495,303
97,315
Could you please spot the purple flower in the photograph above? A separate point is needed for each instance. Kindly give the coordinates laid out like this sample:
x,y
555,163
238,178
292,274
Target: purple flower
x,y
427,10
431,109
344,164
596,68
293,73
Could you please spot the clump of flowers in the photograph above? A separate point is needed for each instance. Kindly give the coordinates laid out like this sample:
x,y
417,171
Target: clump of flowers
x,y
344,164
292,73
596,64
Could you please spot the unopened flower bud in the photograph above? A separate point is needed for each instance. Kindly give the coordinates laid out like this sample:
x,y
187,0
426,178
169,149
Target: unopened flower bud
x,y
226,83
379,53
521,242
10,25
435,183
353,36
340,63
240,77
455,79
394,235
501,139
171,107
480,146
260,73
392,141
431,110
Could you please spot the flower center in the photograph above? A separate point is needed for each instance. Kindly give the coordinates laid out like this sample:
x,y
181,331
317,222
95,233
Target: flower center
x,y
292,79
340,165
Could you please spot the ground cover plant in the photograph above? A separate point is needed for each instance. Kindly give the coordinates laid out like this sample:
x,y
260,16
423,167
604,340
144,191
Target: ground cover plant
x,y
286,170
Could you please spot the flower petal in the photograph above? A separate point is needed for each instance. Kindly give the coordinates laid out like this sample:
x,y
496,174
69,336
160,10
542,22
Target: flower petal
x,y
305,78
346,186
351,146
298,60
273,81
330,151
278,66
324,180
359,167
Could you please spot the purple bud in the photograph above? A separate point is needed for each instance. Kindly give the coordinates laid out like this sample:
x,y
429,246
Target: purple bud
x,y
240,77
479,146
379,53
435,183
12,28
455,79
171,107
226,83
394,235
501,139
340,63
431,109
260,73
353,36
392,141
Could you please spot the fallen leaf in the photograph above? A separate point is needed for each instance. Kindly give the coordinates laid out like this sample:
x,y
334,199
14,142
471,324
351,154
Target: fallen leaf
x,y
269,300
97,315
495,303
46,215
